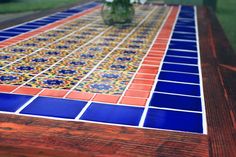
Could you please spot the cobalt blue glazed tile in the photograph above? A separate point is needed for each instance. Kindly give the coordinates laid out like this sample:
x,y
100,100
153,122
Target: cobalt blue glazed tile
x,y
26,27
113,114
12,102
2,38
16,30
8,34
184,36
185,29
178,88
183,43
183,47
174,120
53,107
181,60
180,68
176,102
180,77
182,53
186,15
187,8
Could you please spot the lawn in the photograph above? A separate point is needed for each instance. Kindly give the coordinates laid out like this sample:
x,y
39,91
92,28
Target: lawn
x,y
226,13
16,6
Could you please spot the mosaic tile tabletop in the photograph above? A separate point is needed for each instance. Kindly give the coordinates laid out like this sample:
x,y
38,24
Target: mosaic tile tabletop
x,y
71,66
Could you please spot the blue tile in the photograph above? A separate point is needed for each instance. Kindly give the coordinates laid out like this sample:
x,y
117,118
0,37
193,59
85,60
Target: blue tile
x,y
172,76
186,15
16,30
113,114
53,107
12,102
3,38
174,120
176,102
181,60
178,88
184,29
9,34
180,68
26,27
182,53
184,36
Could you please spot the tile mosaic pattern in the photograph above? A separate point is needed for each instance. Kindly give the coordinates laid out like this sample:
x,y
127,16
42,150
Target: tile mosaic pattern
x,y
144,74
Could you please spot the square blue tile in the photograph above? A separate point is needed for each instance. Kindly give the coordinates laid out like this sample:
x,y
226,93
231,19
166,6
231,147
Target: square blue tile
x,y
185,29
12,102
172,76
184,36
178,88
53,107
182,53
174,120
181,60
113,114
180,68
176,102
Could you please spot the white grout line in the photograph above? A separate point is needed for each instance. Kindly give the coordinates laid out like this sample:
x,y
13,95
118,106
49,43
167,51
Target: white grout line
x,y
141,63
204,120
92,70
178,82
193,65
182,32
182,56
184,95
28,102
84,109
172,109
141,123
90,41
34,52
180,72
184,50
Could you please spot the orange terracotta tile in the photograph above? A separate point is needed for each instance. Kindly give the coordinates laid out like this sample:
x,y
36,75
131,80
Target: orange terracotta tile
x,y
154,58
106,98
140,87
151,63
54,93
28,90
137,93
148,69
7,88
144,76
133,101
80,95
141,81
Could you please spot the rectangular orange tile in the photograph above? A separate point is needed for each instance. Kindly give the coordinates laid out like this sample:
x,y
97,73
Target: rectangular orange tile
x,y
137,93
106,98
149,69
144,76
7,88
151,63
133,101
140,87
80,95
141,81
28,90
54,93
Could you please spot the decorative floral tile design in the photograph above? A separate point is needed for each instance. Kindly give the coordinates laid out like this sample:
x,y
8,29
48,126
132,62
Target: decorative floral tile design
x,y
106,82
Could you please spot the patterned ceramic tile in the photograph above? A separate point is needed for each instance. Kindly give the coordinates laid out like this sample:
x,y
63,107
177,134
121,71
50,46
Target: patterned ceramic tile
x,y
27,68
10,57
67,71
13,78
106,82
82,63
18,50
37,59
53,82
52,53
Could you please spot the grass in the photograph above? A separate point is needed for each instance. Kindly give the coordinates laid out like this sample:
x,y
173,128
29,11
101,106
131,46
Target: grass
x,y
226,13
16,6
